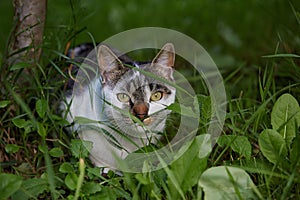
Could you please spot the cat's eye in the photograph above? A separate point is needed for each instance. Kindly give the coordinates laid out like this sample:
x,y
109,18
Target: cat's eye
x,y
123,97
156,96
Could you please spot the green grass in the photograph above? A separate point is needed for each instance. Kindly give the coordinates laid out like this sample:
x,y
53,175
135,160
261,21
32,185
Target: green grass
x,y
256,47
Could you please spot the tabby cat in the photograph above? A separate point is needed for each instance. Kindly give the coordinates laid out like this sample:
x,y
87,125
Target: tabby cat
x,y
124,103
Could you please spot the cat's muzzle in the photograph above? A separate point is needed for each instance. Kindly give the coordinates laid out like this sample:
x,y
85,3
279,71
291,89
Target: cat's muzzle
x,y
140,110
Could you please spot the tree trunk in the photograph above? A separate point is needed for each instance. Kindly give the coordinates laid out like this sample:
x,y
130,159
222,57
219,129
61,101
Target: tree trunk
x,y
26,39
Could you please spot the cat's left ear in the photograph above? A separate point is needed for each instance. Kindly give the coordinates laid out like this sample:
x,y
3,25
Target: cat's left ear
x,y
110,65
166,56
163,62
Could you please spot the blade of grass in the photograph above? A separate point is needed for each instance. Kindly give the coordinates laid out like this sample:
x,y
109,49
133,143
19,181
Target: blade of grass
x,y
236,189
49,170
172,177
57,68
282,55
262,107
19,101
80,178
287,188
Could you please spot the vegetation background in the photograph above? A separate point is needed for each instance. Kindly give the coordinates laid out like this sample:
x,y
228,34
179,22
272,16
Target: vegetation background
x,y
254,43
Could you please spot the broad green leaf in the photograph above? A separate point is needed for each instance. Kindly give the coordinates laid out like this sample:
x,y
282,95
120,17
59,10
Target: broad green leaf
x,y
70,197
9,184
4,103
205,147
80,148
182,110
285,114
71,181
56,152
67,168
221,183
91,188
20,123
239,144
188,168
41,130
106,193
12,148
31,189
24,168
96,171
41,107
272,145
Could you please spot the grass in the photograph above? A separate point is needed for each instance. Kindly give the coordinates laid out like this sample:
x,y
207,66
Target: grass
x,y
258,59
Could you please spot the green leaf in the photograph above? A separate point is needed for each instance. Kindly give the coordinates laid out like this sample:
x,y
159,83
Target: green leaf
x,y
80,148
4,103
84,120
189,166
67,168
20,123
96,171
182,110
206,111
142,179
272,145
31,188
205,107
107,193
41,107
24,168
91,188
9,184
284,116
41,130
221,183
56,152
19,65
12,148
239,144
71,181
42,148
295,151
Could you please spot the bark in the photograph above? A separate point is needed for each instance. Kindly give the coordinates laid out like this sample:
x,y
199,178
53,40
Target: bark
x,y
27,37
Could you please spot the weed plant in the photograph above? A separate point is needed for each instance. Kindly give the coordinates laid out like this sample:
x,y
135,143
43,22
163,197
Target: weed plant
x,y
256,157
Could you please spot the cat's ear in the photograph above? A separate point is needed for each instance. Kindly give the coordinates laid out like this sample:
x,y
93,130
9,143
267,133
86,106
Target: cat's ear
x,y
163,62
166,56
109,64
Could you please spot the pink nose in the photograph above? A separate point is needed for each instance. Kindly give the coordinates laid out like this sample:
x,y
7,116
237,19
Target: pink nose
x,y
140,110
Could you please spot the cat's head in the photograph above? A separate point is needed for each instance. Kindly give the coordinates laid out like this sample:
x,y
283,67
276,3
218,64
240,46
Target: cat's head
x,y
137,91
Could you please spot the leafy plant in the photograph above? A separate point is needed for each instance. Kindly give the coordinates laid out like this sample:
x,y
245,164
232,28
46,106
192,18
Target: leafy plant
x,y
226,183
277,143
9,185
40,160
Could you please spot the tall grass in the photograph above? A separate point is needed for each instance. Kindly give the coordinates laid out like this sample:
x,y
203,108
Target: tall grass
x,y
35,146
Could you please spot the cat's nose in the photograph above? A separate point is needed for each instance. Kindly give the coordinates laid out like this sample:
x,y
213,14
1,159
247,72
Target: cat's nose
x,y
140,110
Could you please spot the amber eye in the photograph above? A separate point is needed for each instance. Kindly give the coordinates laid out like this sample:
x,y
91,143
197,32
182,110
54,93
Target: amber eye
x,y
156,96
123,97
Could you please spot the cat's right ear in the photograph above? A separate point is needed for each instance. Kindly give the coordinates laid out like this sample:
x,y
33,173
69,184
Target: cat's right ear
x,y
109,64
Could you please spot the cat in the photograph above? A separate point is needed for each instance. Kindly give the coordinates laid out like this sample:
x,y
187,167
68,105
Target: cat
x,y
124,101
